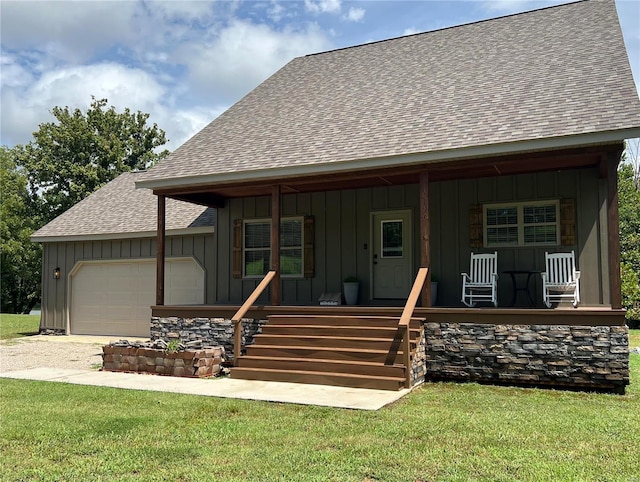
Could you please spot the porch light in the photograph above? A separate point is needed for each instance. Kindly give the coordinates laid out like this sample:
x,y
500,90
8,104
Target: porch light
x,y
56,273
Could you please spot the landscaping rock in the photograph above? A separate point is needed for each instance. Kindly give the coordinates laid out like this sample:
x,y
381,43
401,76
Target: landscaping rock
x,y
153,357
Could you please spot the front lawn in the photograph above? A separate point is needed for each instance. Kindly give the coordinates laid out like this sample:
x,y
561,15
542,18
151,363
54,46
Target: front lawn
x,y
53,431
14,326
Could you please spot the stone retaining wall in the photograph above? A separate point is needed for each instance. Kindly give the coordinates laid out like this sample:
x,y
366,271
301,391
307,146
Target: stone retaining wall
x,y
211,331
190,363
586,357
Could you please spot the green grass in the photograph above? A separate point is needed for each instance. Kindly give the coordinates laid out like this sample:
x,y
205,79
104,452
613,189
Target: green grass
x,y
451,432
634,338
455,432
53,431
14,326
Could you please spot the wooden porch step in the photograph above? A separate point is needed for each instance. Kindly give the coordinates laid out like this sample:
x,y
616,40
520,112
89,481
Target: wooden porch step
x,y
320,378
341,320
385,344
352,351
322,365
323,352
346,331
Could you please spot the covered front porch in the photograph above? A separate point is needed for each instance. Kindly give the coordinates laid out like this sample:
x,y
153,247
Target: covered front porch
x,y
446,210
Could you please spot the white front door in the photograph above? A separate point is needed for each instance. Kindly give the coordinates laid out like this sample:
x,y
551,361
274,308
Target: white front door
x,y
391,256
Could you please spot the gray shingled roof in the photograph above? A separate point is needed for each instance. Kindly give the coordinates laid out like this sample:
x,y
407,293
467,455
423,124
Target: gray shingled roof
x,y
119,210
556,73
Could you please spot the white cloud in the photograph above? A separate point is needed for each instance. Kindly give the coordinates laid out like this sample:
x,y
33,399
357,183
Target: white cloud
x,y
13,74
276,12
180,125
25,106
410,31
66,31
355,14
323,6
242,55
512,6
182,10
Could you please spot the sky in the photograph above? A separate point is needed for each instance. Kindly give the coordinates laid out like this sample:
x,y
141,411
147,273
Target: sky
x,y
186,62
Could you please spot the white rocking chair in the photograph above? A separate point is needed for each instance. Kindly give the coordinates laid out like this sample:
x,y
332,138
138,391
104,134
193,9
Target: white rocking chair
x,y
482,284
560,280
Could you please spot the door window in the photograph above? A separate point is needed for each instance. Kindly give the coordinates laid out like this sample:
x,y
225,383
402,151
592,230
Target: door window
x,y
392,246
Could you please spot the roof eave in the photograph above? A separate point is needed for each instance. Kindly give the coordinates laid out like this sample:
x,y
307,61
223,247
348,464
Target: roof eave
x,y
115,236
518,147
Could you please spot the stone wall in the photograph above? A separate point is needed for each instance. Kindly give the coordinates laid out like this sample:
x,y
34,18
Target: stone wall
x,y
418,362
586,357
211,331
190,363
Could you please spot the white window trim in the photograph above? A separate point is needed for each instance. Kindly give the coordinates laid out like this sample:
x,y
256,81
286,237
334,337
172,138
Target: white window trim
x,y
520,224
268,220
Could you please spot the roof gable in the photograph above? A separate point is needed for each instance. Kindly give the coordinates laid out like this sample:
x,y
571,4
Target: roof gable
x,y
554,73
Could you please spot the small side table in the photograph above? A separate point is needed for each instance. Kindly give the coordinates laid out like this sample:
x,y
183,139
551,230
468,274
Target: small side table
x,y
514,273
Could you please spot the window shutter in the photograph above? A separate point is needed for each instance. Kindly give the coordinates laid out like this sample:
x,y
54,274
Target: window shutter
x,y
568,222
309,236
237,249
476,227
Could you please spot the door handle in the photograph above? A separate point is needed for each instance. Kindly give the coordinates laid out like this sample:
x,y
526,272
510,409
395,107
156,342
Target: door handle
x,y
375,257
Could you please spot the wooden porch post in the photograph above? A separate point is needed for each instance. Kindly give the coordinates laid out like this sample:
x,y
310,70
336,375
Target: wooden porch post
x,y
160,254
425,243
613,231
275,245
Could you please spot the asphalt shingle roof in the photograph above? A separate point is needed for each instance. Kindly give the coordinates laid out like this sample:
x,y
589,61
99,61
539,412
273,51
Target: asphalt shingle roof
x,y
118,208
549,73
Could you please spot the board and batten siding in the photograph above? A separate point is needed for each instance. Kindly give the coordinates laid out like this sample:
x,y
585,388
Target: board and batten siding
x,y
343,244
66,255
450,234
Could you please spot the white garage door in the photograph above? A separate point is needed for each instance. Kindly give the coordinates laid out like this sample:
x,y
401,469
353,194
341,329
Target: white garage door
x,y
114,298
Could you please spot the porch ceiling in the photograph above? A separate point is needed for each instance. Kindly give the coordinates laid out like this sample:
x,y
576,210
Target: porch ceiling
x,y
214,195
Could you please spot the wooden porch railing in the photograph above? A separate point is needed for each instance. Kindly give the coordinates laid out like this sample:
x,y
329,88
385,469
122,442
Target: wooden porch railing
x,y
405,320
237,318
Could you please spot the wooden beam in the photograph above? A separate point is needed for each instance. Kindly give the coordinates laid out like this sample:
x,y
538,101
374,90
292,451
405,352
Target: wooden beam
x,y
400,174
613,231
425,242
275,244
160,252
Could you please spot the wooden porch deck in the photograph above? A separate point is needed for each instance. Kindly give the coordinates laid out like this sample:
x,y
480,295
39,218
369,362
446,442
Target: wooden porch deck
x,y
581,316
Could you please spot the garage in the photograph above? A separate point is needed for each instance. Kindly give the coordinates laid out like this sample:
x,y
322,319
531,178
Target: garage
x,y
114,297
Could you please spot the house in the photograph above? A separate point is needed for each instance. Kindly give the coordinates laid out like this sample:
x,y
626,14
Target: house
x,y
98,266
392,162
378,160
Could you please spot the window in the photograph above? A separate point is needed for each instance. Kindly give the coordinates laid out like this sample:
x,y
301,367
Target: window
x,y
392,239
522,224
257,247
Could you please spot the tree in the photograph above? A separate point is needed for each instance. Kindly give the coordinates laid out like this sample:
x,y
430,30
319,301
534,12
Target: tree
x,y
628,201
19,257
632,156
67,160
79,152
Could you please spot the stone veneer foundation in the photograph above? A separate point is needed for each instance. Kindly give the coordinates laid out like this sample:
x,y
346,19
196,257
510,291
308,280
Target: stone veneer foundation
x,y
582,357
212,331
585,357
